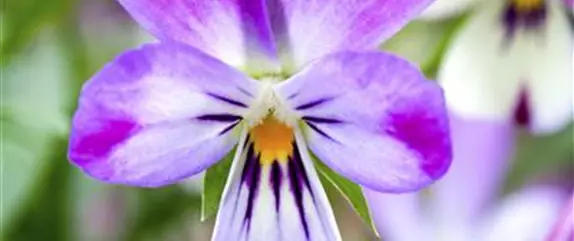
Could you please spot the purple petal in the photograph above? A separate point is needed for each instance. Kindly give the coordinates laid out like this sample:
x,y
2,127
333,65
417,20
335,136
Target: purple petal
x,y
308,29
387,127
525,215
564,226
396,215
482,152
149,118
235,31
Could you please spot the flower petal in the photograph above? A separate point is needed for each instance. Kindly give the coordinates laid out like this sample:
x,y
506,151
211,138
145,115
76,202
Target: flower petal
x,y
527,215
550,81
563,228
482,84
396,215
282,200
235,31
308,29
378,122
487,84
482,152
446,8
156,115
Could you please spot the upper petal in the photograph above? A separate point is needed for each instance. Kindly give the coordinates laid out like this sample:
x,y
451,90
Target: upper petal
x,y
307,29
157,114
377,121
235,31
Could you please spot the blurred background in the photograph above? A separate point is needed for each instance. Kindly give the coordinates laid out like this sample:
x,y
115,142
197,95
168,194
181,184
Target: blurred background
x,y
49,48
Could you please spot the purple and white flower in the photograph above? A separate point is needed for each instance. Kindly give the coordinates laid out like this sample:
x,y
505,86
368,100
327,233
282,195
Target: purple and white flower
x,y
274,80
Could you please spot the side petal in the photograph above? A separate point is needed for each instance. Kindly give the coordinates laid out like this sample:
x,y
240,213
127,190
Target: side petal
x,y
549,80
377,122
283,200
156,115
480,73
482,151
306,30
235,31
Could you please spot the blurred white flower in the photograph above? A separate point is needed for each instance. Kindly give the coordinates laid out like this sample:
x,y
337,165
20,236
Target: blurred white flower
x,y
512,59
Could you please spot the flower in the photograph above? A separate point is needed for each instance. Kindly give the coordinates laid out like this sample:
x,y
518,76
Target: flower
x,y
310,82
512,60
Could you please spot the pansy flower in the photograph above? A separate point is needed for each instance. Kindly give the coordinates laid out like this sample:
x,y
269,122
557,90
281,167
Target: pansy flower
x,y
275,81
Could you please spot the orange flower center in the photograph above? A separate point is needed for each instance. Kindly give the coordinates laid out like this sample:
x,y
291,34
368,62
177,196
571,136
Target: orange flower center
x,y
273,140
526,6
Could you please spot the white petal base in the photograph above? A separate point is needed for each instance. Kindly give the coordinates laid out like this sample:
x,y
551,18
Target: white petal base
x,y
281,201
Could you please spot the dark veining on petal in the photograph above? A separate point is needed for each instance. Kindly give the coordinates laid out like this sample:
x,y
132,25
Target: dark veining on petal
x,y
252,183
298,160
275,178
244,172
313,103
291,96
321,132
321,120
514,18
227,129
297,190
227,100
244,91
522,111
219,117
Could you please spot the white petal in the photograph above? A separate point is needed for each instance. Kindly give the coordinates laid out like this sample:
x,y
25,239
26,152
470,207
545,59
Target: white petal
x,y
550,82
528,215
485,71
446,8
480,77
254,209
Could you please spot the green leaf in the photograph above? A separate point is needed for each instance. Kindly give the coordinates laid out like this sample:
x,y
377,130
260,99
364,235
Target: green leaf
x,y
351,191
213,185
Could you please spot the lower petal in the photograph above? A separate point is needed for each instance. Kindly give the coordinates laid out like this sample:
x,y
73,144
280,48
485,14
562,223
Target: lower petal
x,y
274,199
